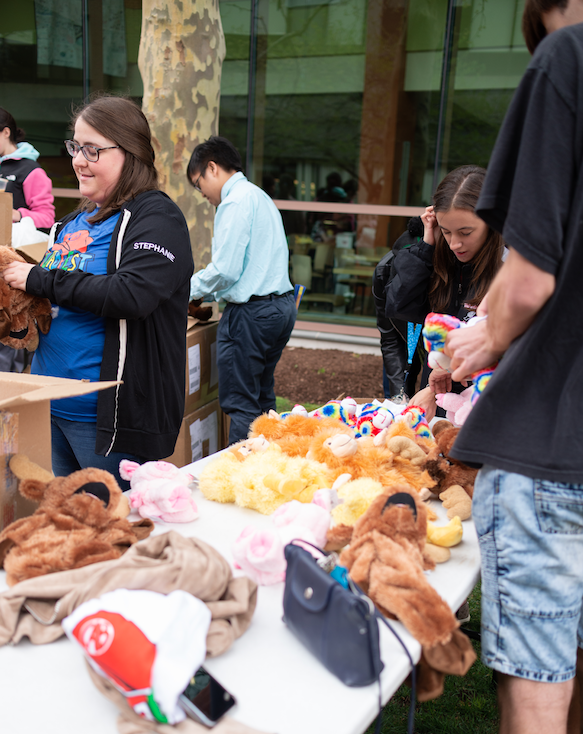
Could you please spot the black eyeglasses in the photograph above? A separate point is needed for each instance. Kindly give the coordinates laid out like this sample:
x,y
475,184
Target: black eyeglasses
x,y
195,184
90,152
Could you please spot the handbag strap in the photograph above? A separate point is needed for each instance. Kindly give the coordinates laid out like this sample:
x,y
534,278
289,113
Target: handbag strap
x,y
411,718
396,499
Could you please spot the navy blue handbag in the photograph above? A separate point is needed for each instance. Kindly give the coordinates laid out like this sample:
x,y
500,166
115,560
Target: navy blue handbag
x,y
337,625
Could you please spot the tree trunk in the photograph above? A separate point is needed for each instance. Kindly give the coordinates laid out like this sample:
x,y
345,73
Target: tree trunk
x,y
182,48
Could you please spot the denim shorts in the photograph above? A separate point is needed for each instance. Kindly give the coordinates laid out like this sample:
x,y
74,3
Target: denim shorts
x,y
531,542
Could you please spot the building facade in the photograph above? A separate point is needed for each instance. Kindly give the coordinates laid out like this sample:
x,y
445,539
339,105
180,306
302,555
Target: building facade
x,y
348,112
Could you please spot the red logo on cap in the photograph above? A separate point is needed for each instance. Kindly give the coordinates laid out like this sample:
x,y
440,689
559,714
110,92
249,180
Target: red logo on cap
x,y
96,636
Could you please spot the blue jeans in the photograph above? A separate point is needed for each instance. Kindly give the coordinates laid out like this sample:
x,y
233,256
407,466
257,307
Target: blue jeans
x,y
250,339
73,448
531,542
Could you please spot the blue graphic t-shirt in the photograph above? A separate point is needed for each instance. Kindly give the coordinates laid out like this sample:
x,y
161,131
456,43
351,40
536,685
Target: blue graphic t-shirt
x,y
74,345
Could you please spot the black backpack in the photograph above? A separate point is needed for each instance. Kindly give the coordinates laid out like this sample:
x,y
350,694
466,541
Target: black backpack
x,y
384,271
383,274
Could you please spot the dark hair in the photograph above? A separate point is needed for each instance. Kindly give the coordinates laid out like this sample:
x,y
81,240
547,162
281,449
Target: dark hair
x,y
533,29
16,133
217,149
460,189
122,121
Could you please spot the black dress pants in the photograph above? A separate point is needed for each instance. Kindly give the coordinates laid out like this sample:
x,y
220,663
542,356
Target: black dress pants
x,y
250,339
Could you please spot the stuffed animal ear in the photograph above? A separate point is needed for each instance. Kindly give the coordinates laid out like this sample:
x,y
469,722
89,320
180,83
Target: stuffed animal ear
x,y
32,489
127,468
5,323
23,468
43,321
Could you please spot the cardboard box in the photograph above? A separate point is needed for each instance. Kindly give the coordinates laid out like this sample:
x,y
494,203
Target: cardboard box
x,y
200,435
5,218
25,428
202,376
33,253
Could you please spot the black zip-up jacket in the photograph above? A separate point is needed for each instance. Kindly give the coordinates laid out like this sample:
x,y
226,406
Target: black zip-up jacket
x,y
407,293
144,300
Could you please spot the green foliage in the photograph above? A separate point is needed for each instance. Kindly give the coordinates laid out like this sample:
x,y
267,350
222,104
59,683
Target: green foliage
x,y
283,405
467,704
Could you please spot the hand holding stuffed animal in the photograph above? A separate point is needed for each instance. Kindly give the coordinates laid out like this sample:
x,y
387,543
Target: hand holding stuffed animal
x,y
21,315
435,330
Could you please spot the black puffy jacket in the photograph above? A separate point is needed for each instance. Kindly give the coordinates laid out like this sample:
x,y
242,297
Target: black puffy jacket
x,y
407,293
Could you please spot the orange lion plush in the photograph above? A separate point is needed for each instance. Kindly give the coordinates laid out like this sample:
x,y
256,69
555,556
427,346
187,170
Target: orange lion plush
x,y
81,519
294,434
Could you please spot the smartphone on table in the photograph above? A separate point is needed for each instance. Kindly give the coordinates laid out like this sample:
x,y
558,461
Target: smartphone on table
x,y
204,699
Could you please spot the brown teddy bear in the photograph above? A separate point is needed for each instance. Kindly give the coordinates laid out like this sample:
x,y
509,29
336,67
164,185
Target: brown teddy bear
x,y
21,315
81,519
386,558
454,481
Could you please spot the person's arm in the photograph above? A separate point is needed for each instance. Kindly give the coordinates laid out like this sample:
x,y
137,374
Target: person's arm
x,y
231,239
406,292
516,296
440,380
425,399
155,261
37,189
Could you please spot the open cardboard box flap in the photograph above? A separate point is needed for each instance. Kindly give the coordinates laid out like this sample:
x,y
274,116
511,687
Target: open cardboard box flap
x,y
32,253
22,389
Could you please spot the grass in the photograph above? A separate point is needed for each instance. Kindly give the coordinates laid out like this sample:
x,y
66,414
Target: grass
x,y
283,404
467,704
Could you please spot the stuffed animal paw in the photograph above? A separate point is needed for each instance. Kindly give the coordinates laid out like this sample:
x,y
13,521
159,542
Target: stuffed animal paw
x,y
457,502
447,536
406,448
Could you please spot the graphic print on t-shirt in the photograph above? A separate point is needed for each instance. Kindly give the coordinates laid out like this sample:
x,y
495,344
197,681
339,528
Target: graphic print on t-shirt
x,y
74,346
71,253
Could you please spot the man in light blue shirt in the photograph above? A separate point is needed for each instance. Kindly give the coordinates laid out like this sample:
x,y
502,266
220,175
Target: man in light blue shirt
x,y
249,270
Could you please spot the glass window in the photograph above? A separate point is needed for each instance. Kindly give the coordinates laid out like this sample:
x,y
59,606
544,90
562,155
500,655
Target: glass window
x,y
51,58
366,102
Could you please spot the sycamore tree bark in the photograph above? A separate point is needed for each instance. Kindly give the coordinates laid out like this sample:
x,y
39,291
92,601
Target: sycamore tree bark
x,y
182,48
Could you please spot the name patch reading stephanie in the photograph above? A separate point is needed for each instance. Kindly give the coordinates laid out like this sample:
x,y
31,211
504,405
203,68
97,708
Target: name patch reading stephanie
x,y
156,248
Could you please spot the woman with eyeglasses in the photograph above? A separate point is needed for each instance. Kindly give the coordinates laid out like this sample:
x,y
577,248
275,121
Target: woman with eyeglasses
x,y
118,272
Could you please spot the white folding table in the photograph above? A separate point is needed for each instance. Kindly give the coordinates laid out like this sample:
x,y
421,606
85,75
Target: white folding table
x,y
278,685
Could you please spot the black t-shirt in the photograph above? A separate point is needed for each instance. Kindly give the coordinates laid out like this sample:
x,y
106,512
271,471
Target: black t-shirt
x,y
530,418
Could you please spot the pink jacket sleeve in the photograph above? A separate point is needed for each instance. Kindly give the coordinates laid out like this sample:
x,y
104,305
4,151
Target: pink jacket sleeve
x,y
37,188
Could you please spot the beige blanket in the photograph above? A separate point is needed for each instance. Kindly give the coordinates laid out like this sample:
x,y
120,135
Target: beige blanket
x,y
35,608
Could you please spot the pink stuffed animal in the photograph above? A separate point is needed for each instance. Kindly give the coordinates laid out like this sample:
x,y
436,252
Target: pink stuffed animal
x,y
457,407
159,490
260,552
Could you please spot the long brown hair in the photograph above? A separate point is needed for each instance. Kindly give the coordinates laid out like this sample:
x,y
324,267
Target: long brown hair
x,y
122,121
460,189
533,29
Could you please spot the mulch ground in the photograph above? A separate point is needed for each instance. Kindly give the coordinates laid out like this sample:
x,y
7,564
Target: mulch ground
x,y
318,375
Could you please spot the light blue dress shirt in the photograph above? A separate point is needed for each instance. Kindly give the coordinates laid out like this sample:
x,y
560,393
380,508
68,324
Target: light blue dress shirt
x,y
249,251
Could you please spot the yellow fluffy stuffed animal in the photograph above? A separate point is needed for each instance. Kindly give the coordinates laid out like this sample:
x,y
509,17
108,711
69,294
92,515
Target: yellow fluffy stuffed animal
x,y
264,480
